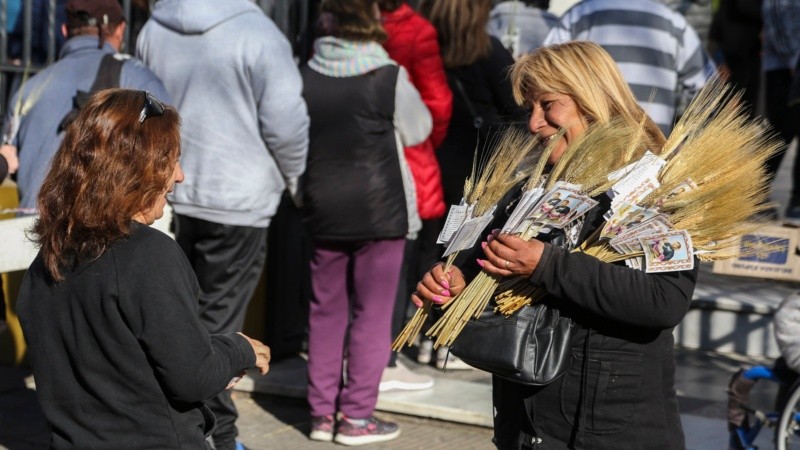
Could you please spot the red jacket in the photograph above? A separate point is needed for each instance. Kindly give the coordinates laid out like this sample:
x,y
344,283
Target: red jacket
x,y
413,44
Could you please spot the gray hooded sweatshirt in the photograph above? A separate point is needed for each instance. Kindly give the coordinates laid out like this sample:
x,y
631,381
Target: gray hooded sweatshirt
x,y
233,79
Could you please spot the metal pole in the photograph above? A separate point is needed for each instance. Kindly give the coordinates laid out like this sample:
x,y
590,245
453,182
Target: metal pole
x,y
126,6
51,32
27,32
3,55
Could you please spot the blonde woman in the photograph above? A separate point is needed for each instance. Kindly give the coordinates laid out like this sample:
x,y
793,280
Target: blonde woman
x,y
618,391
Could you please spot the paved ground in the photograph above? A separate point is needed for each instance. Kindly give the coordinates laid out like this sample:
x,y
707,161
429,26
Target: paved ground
x,y
277,422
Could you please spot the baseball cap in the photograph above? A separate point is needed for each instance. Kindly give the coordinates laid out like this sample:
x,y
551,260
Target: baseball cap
x,y
102,11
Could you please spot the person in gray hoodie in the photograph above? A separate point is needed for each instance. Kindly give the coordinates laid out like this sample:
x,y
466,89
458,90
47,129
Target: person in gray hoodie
x,y
94,28
233,79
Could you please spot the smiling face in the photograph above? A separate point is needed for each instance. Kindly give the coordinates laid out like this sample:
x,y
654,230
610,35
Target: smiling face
x,y
552,112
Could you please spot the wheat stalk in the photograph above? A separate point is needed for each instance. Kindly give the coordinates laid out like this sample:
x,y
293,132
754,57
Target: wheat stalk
x,y
489,181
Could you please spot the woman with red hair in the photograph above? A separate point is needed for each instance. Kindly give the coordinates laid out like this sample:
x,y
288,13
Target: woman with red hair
x,y
109,306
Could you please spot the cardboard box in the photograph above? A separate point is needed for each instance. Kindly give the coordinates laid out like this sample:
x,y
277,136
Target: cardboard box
x,y
769,252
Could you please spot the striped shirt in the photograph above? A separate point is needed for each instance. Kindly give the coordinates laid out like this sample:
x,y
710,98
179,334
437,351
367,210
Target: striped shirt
x,y
656,50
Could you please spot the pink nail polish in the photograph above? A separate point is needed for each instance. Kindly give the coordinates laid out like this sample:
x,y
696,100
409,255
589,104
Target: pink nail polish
x,y
446,293
437,299
484,244
480,263
445,284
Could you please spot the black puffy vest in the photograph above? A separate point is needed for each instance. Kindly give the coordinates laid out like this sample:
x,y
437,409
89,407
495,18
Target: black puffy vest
x,y
353,187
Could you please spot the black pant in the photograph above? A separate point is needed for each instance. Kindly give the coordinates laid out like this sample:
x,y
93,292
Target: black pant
x,y
228,261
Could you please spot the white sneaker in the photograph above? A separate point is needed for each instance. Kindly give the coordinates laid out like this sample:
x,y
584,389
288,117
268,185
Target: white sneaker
x,y
448,361
401,377
425,349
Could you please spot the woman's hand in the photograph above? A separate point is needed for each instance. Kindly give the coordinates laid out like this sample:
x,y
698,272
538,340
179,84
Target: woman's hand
x,y
235,380
262,352
438,286
509,255
9,152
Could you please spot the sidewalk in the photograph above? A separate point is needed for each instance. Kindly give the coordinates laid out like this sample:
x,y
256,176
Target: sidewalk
x,y
279,419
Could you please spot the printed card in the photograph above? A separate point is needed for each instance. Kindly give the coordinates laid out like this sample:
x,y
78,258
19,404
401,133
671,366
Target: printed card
x,y
551,198
668,252
469,232
635,263
628,217
456,217
680,189
628,242
524,206
632,175
560,207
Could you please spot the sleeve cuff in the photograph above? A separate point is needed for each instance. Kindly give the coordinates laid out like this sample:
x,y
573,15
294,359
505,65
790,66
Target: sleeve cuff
x,y
544,263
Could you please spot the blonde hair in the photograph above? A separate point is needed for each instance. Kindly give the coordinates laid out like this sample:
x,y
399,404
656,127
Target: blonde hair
x,y
461,26
587,74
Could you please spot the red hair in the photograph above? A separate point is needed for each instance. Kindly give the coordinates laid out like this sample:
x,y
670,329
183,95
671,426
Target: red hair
x,y
109,167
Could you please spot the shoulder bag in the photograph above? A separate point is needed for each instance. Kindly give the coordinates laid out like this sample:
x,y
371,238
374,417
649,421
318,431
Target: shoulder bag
x,y
530,347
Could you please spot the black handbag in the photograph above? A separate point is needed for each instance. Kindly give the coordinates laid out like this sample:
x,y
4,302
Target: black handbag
x,y
530,347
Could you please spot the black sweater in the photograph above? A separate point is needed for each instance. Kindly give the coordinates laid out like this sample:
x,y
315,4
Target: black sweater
x,y
119,356
625,394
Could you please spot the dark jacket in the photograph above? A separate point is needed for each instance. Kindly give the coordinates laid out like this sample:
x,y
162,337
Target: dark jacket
x,y
120,358
353,187
624,397
487,86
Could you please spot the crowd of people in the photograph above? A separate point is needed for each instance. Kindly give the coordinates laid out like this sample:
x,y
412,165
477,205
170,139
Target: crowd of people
x,y
372,139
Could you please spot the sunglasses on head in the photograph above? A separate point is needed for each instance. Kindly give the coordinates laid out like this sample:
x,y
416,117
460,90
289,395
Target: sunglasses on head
x,y
152,107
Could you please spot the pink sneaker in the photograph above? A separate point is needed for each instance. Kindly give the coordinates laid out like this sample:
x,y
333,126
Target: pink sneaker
x,y
365,431
322,428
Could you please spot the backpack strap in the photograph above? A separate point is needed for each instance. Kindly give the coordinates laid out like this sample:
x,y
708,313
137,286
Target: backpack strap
x,y
108,73
108,76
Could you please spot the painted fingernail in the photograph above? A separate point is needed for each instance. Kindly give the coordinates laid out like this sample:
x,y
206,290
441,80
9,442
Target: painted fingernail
x,y
480,263
484,244
445,284
416,303
437,299
446,293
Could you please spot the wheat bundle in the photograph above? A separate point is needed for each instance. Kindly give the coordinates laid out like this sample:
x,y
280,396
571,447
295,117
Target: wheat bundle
x,y
723,153
490,180
724,157
595,151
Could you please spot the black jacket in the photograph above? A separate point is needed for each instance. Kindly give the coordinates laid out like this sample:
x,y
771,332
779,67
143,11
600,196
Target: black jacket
x,y
480,89
353,185
624,398
120,358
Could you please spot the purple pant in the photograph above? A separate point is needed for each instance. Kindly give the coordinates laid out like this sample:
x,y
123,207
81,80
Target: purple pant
x,y
354,284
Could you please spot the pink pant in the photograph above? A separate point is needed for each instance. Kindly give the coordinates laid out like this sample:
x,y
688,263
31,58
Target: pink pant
x,y
354,285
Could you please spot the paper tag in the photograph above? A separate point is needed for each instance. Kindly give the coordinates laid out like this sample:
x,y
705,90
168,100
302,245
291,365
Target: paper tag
x,y
633,176
668,252
469,232
456,216
525,204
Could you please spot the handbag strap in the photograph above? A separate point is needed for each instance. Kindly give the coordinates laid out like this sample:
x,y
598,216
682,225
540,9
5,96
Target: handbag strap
x,y
477,120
